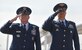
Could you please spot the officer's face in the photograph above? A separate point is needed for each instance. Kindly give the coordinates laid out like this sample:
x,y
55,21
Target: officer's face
x,y
24,18
62,14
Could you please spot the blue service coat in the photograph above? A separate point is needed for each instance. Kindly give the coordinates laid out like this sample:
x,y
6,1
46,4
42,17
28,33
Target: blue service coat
x,y
22,39
62,37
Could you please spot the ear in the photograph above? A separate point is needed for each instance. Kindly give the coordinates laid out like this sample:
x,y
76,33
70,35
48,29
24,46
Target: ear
x,y
28,17
19,17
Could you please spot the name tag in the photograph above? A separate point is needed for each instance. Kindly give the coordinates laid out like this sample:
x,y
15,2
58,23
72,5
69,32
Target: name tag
x,y
18,35
18,31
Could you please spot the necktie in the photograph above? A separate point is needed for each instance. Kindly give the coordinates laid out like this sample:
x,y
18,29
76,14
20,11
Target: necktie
x,y
62,23
24,26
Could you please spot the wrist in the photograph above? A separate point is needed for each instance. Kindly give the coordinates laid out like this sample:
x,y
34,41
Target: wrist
x,y
10,21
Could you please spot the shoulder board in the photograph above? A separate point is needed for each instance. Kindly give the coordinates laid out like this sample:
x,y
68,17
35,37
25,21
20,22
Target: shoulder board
x,y
71,22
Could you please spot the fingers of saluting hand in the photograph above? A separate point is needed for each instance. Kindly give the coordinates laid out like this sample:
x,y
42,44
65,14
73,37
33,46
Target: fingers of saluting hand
x,y
19,15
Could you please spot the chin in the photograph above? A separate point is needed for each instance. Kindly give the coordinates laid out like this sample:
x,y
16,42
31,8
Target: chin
x,y
24,21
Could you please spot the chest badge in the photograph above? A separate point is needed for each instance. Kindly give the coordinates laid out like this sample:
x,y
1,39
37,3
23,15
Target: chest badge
x,y
33,38
56,25
18,35
70,26
33,31
71,32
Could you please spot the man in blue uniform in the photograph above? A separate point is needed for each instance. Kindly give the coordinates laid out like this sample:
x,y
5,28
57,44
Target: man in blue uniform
x,y
24,34
63,32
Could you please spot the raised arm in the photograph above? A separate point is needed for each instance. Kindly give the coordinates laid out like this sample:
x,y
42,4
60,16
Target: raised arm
x,y
48,23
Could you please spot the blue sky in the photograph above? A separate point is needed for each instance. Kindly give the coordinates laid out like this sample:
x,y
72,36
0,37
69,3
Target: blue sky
x,y
41,10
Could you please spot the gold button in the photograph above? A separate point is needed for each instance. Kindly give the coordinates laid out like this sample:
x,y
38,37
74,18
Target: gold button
x,y
57,29
32,38
63,45
64,40
70,31
24,40
64,30
24,46
64,35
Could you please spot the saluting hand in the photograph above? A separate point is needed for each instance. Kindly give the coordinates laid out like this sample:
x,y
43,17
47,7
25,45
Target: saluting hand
x,y
15,18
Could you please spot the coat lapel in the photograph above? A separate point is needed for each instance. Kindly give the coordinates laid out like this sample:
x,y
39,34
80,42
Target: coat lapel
x,y
67,23
29,27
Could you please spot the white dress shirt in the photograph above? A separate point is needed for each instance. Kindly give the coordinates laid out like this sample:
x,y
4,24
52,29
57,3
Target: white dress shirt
x,y
64,21
26,25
